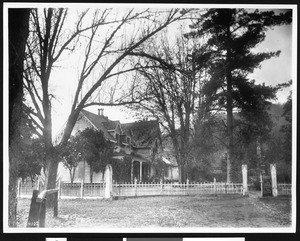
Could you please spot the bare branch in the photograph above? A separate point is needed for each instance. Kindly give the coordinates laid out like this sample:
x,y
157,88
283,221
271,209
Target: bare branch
x,y
29,79
33,61
30,113
55,34
36,106
160,60
169,20
115,103
221,140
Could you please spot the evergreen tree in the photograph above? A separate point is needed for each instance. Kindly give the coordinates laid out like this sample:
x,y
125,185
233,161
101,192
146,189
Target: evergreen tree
x,y
232,34
72,154
287,139
96,150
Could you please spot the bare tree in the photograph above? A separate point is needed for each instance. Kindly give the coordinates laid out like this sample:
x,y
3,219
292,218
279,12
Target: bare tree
x,y
107,40
173,76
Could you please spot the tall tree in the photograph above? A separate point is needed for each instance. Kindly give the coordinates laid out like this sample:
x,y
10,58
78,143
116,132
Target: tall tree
x,y
288,137
173,74
17,35
232,34
103,60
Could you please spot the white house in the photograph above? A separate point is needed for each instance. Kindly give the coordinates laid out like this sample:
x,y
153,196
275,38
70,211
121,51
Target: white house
x,y
139,140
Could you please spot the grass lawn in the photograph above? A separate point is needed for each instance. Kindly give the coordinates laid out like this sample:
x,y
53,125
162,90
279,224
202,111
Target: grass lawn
x,y
179,211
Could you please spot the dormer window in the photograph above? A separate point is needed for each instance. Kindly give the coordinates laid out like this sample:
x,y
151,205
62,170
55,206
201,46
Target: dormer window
x,y
129,142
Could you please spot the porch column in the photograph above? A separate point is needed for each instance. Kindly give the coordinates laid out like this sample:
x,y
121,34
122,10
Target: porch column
x,y
141,170
149,171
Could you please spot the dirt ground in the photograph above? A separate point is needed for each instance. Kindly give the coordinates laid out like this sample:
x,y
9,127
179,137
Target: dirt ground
x,y
179,211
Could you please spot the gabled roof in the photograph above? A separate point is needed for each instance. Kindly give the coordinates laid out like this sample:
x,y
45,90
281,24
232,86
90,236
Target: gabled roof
x,y
98,121
143,133
111,125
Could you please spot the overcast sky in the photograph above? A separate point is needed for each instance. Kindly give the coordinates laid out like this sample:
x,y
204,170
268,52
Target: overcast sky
x,y
272,72
278,69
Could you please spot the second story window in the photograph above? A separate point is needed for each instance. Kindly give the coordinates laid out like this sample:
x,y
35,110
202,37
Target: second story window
x,y
118,139
129,142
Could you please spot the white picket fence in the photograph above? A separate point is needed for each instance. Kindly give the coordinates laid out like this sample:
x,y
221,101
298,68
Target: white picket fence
x,y
97,190
168,189
66,190
284,189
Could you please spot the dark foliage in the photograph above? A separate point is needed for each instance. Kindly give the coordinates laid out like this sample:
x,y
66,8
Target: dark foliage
x,y
96,150
231,36
121,169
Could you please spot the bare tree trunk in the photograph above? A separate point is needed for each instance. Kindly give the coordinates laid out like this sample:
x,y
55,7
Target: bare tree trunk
x,y
51,174
52,161
18,20
259,160
91,174
179,172
177,154
229,110
72,174
12,187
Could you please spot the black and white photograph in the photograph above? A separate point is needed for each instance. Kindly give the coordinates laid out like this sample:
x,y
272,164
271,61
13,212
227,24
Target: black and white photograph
x,y
149,118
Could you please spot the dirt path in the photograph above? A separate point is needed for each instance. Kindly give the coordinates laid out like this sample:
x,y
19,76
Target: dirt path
x,y
276,209
182,211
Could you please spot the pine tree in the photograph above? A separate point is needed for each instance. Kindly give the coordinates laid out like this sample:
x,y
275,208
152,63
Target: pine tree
x,y
231,35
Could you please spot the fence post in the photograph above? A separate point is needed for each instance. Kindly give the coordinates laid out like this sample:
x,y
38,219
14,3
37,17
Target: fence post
x,y
81,189
245,183
135,187
161,185
187,186
261,185
215,185
274,180
108,181
59,188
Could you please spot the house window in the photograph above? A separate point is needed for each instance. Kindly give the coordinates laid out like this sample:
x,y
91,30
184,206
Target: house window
x,y
129,143
118,139
166,171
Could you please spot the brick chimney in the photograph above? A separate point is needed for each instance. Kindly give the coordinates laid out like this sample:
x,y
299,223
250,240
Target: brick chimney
x,y
100,112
